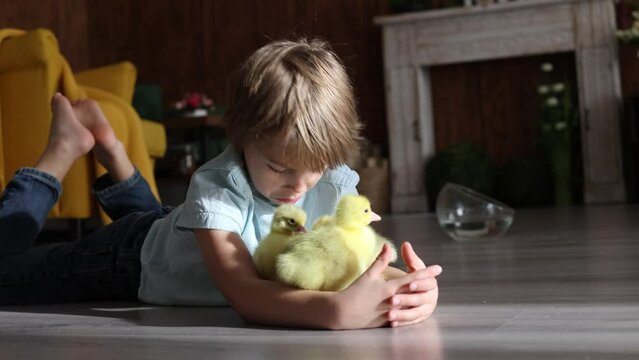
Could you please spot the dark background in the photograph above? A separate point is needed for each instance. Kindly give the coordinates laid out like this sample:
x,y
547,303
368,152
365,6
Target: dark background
x,y
194,45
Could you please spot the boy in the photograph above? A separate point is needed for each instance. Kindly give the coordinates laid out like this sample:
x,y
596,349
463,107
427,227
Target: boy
x,y
292,124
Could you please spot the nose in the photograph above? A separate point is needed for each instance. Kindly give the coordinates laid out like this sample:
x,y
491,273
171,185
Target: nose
x,y
296,183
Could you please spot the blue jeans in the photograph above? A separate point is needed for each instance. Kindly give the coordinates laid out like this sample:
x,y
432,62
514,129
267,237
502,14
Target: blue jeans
x,y
105,265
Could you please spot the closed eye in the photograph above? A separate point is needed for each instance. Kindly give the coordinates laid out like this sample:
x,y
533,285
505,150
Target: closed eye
x,y
277,171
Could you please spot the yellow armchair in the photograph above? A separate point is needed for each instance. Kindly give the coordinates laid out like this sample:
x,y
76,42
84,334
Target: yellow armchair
x,y
31,71
119,79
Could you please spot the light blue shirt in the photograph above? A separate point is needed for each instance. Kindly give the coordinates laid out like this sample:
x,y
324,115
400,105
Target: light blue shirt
x,y
221,196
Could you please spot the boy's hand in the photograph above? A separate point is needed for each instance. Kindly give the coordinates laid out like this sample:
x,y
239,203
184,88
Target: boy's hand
x,y
417,300
365,303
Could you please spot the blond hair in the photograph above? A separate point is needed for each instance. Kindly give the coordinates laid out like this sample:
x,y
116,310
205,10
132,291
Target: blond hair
x,y
298,94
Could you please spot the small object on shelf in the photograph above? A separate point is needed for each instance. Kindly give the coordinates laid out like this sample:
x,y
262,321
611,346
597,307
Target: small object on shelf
x,y
193,104
207,132
211,121
374,183
184,160
196,113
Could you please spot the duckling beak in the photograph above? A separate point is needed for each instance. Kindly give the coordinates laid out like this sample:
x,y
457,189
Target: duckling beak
x,y
375,217
301,229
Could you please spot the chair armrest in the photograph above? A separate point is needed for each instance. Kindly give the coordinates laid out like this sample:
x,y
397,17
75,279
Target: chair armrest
x,y
154,138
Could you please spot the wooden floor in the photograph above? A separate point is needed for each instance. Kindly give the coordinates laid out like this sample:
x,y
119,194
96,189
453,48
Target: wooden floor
x,y
562,284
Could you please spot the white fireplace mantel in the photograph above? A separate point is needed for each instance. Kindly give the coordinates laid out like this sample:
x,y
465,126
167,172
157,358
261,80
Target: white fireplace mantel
x,y
415,41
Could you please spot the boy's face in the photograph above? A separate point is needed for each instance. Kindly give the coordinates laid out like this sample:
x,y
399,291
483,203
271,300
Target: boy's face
x,y
273,174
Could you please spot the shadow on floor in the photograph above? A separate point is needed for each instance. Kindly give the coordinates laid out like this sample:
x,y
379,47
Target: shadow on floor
x,y
141,314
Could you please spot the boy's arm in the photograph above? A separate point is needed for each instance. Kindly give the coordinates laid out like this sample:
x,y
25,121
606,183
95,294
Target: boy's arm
x,y
363,304
257,300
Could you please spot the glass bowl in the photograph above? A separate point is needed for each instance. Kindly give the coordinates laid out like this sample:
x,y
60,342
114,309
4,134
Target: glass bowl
x,y
465,214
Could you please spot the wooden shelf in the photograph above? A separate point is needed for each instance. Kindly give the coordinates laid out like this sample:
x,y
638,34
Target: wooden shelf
x,y
173,187
194,122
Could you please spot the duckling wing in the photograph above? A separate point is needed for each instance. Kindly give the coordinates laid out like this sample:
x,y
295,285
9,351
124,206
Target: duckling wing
x,y
317,260
372,244
323,221
380,241
266,253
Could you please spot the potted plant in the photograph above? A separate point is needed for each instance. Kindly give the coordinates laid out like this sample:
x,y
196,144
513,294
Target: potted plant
x,y
557,123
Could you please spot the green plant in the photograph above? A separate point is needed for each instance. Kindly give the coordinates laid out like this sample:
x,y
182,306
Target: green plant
x,y
464,164
556,103
631,35
524,182
557,127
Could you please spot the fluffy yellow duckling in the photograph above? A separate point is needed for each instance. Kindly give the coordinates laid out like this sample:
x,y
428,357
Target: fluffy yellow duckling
x,y
288,220
323,220
336,251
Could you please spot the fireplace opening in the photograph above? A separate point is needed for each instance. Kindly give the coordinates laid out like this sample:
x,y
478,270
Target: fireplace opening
x,y
495,104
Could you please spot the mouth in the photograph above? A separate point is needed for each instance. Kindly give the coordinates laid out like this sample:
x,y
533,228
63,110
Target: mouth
x,y
287,200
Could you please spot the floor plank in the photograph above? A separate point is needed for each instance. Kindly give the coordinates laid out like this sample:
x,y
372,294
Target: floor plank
x,y
561,284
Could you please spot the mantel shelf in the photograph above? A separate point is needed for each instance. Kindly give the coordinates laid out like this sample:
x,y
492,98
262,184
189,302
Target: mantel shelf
x,y
466,11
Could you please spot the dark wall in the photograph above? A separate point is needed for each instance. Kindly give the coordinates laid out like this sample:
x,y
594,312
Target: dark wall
x,y
66,18
628,54
196,44
493,103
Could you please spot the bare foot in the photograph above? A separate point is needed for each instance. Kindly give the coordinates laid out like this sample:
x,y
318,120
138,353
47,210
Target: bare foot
x,y
68,139
108,148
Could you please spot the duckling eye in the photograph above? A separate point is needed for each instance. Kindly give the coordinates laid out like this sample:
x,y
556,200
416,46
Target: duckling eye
x,y
366,211
291,221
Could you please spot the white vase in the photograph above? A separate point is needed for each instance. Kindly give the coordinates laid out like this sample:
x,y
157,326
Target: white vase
x,y
196,113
